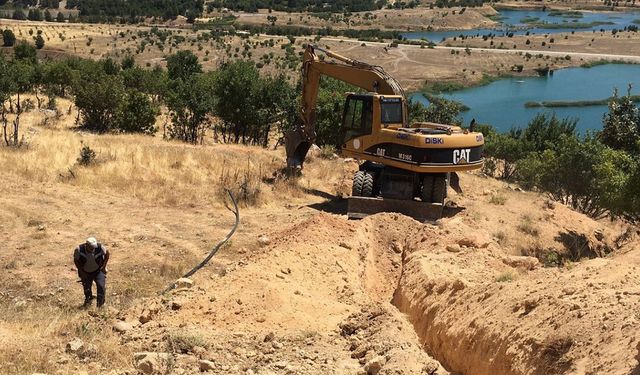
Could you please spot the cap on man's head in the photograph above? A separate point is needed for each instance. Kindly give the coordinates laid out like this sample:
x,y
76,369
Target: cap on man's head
x,y
91,241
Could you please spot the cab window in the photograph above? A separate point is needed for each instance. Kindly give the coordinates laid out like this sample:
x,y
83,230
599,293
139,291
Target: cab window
x,y
358,117
391,111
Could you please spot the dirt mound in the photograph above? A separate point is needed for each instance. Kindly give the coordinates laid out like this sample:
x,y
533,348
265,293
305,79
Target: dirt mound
x,y
315,300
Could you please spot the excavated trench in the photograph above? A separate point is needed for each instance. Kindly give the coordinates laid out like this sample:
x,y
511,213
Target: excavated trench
x,y
433,337
456,353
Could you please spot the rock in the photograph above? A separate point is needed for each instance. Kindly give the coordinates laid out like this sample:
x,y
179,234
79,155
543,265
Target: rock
x,y
176,305
264,240
184,282
349,160
206,365
375,365
599,234
122,327
269,337
397,247
314,151
151,362
75,346
455,248
280,364
521,262
345,245
474,240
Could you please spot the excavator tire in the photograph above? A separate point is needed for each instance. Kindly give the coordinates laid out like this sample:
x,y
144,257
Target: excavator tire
x,y
367,184
439,189
358,183
427,188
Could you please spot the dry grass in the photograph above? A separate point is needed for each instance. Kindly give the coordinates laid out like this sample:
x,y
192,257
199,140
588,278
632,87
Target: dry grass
x,y
44,331
142,167
505,277
498,199
156,171
527,227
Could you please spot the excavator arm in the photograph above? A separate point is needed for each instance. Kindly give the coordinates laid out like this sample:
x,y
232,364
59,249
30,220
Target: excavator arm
x,y
365,76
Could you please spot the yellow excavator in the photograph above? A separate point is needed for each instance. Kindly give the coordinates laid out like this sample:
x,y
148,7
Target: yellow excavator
x,y
404,168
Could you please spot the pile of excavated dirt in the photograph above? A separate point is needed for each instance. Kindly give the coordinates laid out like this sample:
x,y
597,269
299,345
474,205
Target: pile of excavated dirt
x,y
315,300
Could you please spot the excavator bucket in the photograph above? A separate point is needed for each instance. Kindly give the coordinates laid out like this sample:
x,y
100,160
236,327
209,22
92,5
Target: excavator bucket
x,y
360,207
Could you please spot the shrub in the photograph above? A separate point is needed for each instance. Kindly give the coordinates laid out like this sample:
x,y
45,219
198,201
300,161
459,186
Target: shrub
x,y
87,156
8,38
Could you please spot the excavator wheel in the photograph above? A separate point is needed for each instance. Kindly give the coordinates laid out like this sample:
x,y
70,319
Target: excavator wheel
x,y
439,189
367,185
358,183
427,188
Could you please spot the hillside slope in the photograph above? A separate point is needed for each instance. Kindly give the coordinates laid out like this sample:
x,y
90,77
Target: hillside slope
x,y
300,289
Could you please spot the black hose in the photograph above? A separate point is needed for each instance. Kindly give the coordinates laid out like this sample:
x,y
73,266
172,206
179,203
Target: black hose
x,y
215,249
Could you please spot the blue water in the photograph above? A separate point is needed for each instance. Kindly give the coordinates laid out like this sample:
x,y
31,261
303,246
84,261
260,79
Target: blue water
x,y
512,23
501,103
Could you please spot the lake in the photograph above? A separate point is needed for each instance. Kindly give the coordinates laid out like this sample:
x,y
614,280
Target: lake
x,y
514,21
502,103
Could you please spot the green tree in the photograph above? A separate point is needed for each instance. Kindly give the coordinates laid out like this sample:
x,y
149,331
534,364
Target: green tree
x,y
21,74
329,110
60,17
18,14
8,38
128,62
183,65
35,15
190,103
276,102
7,88
110,66
543,130
99,99
25,52
47,16
621,124
39,41
249,104
137,114
58,77
441,111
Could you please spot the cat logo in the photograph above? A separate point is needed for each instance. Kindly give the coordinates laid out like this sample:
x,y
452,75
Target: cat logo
x,y
461,156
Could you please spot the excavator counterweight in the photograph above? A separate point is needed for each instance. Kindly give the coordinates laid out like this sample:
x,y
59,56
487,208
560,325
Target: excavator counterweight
x,y
404,168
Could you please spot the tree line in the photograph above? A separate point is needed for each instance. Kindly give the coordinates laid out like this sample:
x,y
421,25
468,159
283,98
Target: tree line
x,y
597,173
234,102
299,5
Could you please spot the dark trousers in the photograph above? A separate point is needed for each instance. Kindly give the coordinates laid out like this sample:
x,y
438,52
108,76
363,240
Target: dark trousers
x,y
87,282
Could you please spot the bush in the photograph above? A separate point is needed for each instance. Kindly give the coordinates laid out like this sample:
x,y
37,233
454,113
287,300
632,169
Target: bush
x,y
39,41
137,114
87,156
8,38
